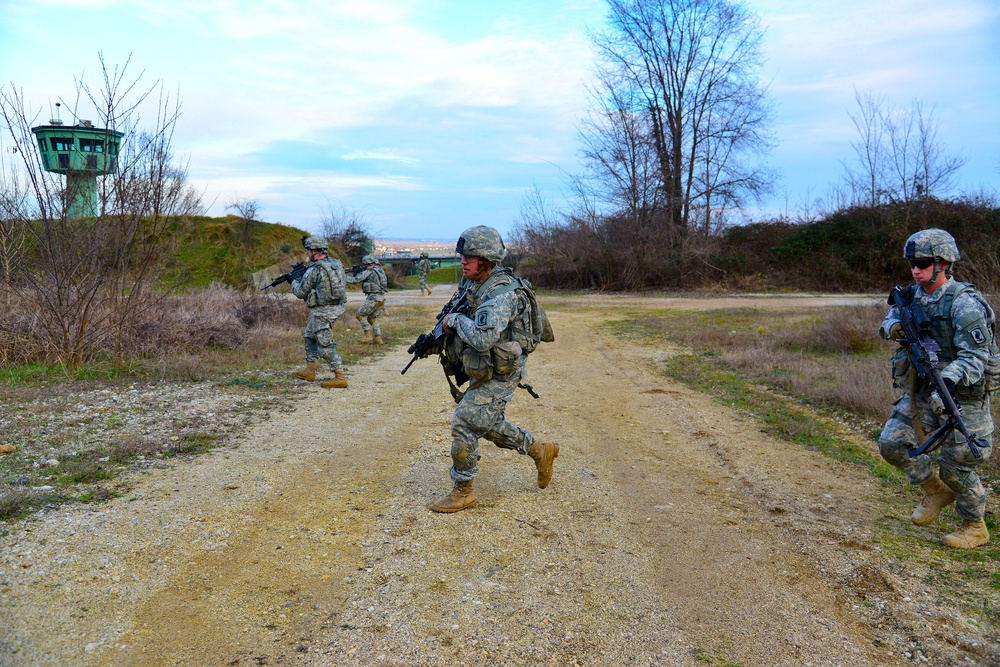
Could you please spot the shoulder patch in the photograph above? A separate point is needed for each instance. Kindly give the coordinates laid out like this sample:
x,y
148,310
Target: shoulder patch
x,y
978,335
483,319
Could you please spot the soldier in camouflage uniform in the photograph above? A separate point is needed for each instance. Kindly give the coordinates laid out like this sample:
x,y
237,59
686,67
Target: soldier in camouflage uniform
x,y
487,345
373,283
423,268
962,324
323,289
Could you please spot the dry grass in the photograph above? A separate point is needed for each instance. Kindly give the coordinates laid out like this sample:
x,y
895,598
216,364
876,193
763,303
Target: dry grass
x,y
830,358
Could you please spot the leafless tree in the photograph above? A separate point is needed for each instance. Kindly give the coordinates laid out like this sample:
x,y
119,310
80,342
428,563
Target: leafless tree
x,y
679,84
898,156
84,282
347,231
247,210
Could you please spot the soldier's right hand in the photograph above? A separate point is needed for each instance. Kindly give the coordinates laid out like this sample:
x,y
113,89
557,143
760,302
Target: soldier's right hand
x,y
896,332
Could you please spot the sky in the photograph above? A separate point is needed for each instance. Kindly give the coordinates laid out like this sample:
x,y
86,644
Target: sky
x,y
425,117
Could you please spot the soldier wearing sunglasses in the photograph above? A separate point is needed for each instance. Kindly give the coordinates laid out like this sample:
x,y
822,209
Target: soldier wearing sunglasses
x,y
962,323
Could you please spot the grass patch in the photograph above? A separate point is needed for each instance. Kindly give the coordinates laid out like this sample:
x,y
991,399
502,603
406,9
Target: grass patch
x,y
780,415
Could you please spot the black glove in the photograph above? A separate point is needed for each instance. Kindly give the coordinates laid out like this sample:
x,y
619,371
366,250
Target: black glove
x,y
950,386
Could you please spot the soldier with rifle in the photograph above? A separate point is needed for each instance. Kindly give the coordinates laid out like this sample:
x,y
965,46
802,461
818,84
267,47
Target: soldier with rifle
x,y
947,368
323,287
484,335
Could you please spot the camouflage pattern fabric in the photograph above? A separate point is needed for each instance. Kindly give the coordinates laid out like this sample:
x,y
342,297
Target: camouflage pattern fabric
x,y
423,268
480,414
482,241
323,288
373,282
956,463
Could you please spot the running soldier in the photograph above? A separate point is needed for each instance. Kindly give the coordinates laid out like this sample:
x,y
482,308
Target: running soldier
x,y
374,284
962,324
492,345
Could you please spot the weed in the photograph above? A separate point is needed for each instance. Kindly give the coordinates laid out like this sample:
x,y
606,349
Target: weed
x,y
83,469
126,447
194,443
14,503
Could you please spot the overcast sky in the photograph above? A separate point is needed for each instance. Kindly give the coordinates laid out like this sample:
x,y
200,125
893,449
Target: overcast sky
x,y
428,116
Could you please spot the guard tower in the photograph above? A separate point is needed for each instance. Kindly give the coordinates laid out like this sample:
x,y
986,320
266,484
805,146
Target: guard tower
x,y
81,153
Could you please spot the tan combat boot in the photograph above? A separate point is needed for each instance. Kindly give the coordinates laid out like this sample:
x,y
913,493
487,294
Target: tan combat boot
x,y
970,534
428,291
367,338
937,496
544,453
339,380
459,498
378,340
308,373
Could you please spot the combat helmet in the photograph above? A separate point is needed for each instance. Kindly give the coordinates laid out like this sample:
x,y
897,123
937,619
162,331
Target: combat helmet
x,y
934,243
369,259
315,243
424,255
481,241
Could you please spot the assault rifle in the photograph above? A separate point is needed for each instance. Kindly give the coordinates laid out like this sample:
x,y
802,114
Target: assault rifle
x,y
298,269
426,343
923,352
356,269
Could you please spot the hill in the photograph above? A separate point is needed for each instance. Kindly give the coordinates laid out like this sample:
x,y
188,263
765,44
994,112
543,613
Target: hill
x,y
202,250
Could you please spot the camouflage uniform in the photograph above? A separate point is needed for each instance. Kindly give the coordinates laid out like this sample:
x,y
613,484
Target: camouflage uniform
x,y
423,268
323,288
956,308
373,283
480,414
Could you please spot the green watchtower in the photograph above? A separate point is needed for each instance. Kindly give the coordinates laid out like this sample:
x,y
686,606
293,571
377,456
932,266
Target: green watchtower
x,y
81,153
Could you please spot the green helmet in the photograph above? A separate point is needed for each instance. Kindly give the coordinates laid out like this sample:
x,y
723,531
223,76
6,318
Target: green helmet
x,y
369,259
482,241
424,255
933,243
314,243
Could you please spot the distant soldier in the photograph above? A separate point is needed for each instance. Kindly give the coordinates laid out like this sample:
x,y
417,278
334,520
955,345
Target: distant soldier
x,y
961,322
423,268
323,289
374,284
492,345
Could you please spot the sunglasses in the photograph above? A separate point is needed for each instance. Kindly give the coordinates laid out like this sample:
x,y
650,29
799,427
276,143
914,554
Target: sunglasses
x,y
922,263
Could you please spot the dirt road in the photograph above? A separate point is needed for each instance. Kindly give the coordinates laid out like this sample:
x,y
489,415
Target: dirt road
x,y
674,533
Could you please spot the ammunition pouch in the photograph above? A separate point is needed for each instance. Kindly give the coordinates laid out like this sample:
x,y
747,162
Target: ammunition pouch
x,y
477,365
506,357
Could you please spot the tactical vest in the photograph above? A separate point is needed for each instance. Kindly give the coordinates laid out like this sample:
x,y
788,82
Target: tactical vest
x,y
521,336
942,329
375,282
330,290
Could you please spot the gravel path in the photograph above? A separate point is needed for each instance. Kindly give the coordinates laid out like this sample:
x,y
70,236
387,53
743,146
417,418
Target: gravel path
x,y
674,533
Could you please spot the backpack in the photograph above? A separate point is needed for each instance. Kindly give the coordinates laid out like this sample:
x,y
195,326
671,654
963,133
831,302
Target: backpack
x,y
536,327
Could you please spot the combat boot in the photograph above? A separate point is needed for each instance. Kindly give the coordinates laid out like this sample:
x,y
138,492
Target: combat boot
x,y
308,373
367,338
937,496
970,534
339,380
544,453
459,498
428,291
378,340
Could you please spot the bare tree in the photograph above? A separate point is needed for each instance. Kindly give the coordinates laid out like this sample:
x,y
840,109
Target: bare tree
x,y
899,159
247,210
87,280
348,231
679,79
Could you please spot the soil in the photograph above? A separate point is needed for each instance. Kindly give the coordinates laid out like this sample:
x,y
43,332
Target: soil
x,y
674,532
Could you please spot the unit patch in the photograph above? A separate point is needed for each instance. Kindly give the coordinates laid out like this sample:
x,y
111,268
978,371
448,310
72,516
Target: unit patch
x,y
483,319
978,335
